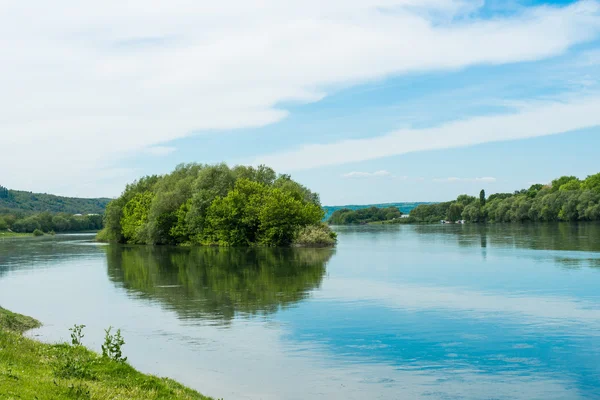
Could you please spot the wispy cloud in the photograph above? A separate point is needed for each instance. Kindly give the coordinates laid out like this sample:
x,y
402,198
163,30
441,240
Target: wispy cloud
x,y
160,150
485,179
376,174
182,61
539,119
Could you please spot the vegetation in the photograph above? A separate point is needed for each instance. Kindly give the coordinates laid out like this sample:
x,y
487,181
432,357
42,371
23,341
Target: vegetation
x,y
405,208
346,216
18,323
9,234
213,205
34,370
12,201
315,236
565,199
46,222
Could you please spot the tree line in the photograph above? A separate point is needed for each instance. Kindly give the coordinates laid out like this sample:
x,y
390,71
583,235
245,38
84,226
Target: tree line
x,y
346,216
49,222
12,201
217,205
565,199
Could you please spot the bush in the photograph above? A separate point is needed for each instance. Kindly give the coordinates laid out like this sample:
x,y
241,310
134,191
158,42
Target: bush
x,y
316,236
38,232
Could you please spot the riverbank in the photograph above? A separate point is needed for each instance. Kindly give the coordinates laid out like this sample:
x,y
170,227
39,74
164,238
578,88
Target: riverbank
x,y
8,234
30,369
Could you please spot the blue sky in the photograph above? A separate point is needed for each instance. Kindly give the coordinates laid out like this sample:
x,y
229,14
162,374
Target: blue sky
x,y
363,101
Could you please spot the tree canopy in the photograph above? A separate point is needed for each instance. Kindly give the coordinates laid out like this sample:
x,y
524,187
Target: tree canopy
x,y
50,222
12,201
566,199
346,216
214,205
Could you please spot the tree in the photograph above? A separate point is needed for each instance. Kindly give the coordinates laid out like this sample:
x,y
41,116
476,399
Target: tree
x,y
592,183
557,183
570,185
472,213
4,194
135,217
482,198
455,211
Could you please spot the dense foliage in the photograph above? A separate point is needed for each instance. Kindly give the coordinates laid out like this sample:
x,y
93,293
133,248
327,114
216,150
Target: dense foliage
x,y
565,199
48,222
212,205
15,200
405,207
346,216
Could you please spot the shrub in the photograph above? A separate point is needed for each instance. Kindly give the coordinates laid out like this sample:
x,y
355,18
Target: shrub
x,y
316,236
38,232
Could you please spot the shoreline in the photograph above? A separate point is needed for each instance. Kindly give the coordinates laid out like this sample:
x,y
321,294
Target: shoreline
x,y
32,369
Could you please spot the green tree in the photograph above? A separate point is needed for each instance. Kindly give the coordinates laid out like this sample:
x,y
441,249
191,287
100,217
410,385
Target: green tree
x,y
557,183
482,198
573,184
135,217
455,211
472,213
592,183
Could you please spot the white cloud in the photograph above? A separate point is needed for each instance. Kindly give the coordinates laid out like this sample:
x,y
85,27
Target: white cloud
x,y
375,174
453,179
160,150
530,121
114,79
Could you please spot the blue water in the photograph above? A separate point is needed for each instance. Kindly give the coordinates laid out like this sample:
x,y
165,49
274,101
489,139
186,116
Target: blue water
x,y
395,312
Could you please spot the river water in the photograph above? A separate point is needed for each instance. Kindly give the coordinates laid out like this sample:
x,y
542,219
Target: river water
x,y
394,312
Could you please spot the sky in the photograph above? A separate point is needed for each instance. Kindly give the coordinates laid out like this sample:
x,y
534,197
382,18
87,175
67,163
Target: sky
x,y
363,101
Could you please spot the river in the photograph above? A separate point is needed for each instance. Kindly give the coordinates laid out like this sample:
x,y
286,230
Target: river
x,y
394,312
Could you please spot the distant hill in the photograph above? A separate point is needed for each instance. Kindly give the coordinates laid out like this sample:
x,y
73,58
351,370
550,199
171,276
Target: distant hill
x,y
405,208
16,200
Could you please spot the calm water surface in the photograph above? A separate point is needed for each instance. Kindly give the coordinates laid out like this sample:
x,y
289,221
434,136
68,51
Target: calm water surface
x,y
401,312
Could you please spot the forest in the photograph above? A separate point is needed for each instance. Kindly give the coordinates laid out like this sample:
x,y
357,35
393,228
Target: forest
x,y
49,222
17,200
218,206
346,216
565,199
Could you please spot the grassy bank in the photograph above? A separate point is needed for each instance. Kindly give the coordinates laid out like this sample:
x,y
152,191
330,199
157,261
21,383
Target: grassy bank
x,y
8,234
33,370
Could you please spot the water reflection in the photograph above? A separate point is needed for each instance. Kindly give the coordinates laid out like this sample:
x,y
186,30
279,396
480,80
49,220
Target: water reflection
x,y
559,236
218,283
45,252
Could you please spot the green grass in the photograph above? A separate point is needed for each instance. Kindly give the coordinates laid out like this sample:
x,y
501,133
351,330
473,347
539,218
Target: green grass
x,y
33,370
7,234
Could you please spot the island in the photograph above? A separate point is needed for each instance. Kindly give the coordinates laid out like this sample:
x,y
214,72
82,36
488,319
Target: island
x,y
215,205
